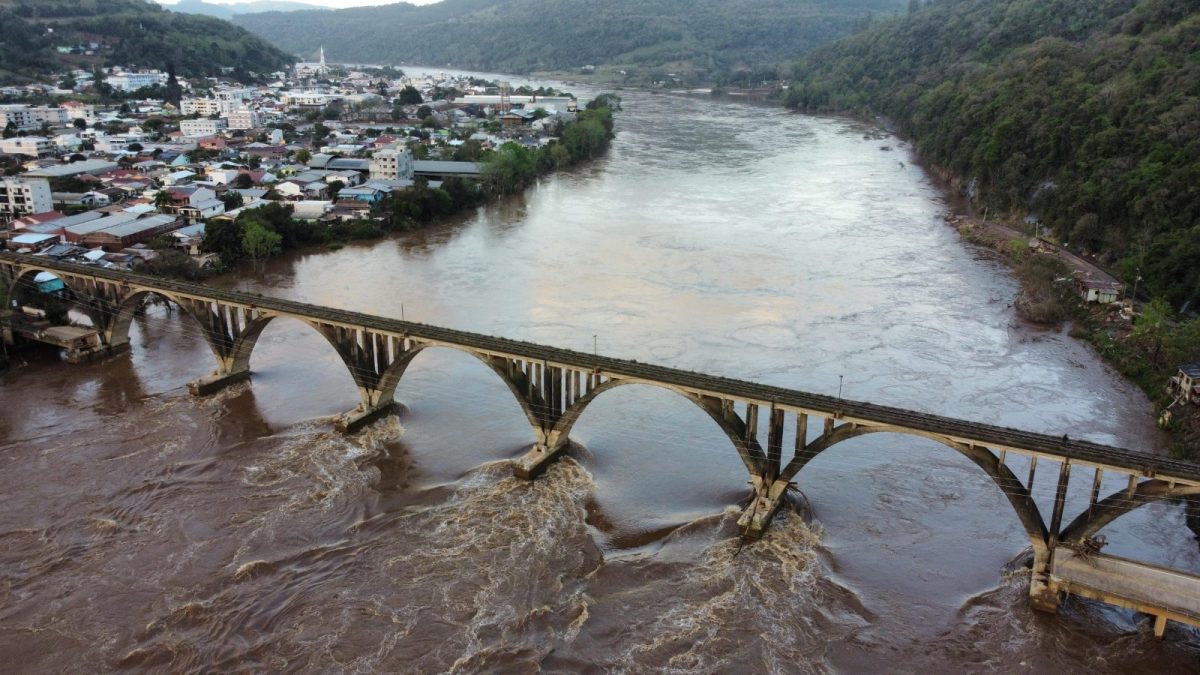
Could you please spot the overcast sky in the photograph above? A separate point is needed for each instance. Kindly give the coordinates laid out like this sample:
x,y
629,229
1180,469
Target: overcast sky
x,y
336,4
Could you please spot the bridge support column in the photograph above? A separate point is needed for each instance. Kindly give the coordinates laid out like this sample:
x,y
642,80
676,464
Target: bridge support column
x,y
535,462
548,448
361,416
1044,593
768,498
211,384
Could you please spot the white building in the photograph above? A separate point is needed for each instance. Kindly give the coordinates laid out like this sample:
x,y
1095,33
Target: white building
x,y
19,195
117,143
229,100
135,81
200,106
242,119
79,111
19,116
68,141
196,128
307,98
52,116
391,163
32,146
310,69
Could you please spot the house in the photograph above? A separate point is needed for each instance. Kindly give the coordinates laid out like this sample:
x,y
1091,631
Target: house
x,y
298,189
34,219
311,209
194,203
189,238
1092,290
369,194
1185,385
33,242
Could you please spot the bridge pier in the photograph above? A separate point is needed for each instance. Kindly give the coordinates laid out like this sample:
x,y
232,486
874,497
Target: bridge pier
x,y
211,384
1044,595
768,498
539,458
356,419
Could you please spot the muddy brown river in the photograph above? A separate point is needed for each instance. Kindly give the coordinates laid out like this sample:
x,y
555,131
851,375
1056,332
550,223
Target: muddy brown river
x,y
147,531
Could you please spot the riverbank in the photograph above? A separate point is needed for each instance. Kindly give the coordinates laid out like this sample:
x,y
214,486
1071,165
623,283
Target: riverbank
x,y
1119,332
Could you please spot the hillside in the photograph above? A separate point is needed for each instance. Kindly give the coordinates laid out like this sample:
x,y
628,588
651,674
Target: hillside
x,y
133,32
1084,113
228,12
519,36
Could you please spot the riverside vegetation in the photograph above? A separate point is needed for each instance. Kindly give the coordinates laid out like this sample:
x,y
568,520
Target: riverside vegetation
x,y
1081,114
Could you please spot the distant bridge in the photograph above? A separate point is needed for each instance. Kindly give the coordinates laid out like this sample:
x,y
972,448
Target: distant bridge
x,y
553,386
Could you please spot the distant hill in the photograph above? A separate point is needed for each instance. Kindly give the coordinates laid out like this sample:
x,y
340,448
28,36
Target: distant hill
x,y
521,36
227,12
1085,113
133,32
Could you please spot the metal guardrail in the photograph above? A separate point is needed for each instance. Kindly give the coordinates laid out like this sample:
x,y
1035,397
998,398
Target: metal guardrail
x,y
985,435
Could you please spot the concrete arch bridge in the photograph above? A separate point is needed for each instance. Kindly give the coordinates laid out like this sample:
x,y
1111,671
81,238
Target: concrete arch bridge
x,y
553,386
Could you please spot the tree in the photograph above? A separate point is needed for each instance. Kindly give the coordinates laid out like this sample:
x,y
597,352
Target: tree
x,y
232,200
135,147
162,200
10,129
410,96
258,242
243,181
1153,324
303,155
335,186
424,112
79,123
173,91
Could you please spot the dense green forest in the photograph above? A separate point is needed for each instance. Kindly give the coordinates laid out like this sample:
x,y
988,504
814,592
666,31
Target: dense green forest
x,y
1083,113
133,32
701,36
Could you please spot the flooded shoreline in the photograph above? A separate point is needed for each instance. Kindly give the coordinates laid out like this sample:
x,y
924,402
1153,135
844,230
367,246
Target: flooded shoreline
x,y
148,530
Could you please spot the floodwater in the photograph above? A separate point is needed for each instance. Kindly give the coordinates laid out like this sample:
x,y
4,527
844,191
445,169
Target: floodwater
x,y
144,530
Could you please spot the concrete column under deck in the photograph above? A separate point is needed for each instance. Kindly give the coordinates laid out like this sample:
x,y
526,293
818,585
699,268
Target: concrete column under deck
x,y
535,462
216,382
762,508
360,417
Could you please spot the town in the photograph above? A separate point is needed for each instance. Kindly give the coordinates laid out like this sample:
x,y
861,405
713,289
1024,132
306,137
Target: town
x,y
334,147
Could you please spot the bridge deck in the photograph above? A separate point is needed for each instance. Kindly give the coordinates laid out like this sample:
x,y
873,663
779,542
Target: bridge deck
x,y
1145,588
972,433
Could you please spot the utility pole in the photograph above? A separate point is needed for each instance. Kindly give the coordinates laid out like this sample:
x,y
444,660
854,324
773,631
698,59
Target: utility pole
x,y
840,386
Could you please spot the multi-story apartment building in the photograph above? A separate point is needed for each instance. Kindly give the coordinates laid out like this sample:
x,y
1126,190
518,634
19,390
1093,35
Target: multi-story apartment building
x,y
200,106
31,146
126,81
202,127
20,116
392,163
242,119
20,195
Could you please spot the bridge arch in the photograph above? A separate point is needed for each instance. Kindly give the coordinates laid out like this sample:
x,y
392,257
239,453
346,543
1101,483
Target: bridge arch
x,y
390,379
122,320
27,273
729,422
1013,489
1087,524
77,299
